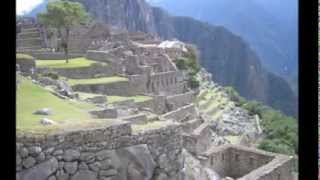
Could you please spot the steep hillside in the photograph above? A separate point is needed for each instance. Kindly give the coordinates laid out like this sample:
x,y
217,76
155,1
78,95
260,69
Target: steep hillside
x,y
225,55
270,27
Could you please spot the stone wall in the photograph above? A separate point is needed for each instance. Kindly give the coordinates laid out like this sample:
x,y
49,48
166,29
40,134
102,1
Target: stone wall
x,y
244,161
136,119
26,65
123,88
157,104
87,154
180,100
81,72
247,163
182,114
137,83
102,56
165,82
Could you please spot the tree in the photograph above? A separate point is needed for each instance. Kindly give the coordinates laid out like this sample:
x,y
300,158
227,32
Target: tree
x,y
63,15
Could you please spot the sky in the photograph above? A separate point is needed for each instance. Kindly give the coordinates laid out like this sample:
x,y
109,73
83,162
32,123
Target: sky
x,y
24,6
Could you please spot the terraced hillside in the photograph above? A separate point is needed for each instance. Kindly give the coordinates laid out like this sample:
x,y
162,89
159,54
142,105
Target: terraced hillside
x,y
229,121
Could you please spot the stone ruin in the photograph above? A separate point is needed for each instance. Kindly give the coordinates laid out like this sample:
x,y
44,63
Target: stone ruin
x,y
141,140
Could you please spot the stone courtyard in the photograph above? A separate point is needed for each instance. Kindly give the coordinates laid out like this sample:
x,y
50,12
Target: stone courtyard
x,y
143,120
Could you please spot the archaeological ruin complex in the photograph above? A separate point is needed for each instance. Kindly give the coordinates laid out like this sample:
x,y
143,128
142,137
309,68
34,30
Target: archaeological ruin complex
x,y
138,140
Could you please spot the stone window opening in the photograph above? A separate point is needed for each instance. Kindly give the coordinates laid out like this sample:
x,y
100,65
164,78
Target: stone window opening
x,y
211,160
222,157
251,159
236,157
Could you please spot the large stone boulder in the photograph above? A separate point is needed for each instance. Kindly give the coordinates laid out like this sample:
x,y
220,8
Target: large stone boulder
x,y
64,89
131,163
41,171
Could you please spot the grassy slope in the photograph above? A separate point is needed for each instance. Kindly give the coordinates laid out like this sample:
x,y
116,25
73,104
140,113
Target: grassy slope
x,y
31,97
103,80
73,63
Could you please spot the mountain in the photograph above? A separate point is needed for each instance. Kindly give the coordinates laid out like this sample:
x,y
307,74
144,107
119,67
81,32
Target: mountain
x,y
227,56
269,26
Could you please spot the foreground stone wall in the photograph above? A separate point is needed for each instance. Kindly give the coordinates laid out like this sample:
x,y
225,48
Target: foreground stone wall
x,y
88,154
249,164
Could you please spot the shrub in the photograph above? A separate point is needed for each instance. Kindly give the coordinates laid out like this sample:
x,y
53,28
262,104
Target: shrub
x,y
181,64
194,83
52,75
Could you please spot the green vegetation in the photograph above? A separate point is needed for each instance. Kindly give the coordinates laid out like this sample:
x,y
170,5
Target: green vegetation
x,y
281,131
24,56
188,62
73,63
193,82
52,75
63,15
31,97
103,80
234,96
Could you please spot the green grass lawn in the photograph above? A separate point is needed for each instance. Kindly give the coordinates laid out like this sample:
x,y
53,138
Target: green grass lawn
x,y
112,99
31,97
103,80
73,63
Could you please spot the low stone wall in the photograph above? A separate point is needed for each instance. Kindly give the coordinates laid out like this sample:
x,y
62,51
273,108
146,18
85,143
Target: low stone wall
x,y
81,72
156,104
112,89
102,56
136,119
182,114
247,163
85,154
25,65
180,100
281,169
108,113
189,126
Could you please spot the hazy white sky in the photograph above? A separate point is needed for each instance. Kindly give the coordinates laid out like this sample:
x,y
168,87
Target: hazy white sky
x,y
24,6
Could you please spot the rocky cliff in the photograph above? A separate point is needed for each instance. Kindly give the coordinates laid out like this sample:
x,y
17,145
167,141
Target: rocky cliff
x,y
225,55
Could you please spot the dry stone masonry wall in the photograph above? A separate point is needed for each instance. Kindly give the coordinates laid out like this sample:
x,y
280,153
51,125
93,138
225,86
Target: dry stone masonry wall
x,y
101,153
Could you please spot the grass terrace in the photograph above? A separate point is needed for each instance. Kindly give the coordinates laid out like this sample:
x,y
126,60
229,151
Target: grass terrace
x,y
102,80
61,63
66,113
